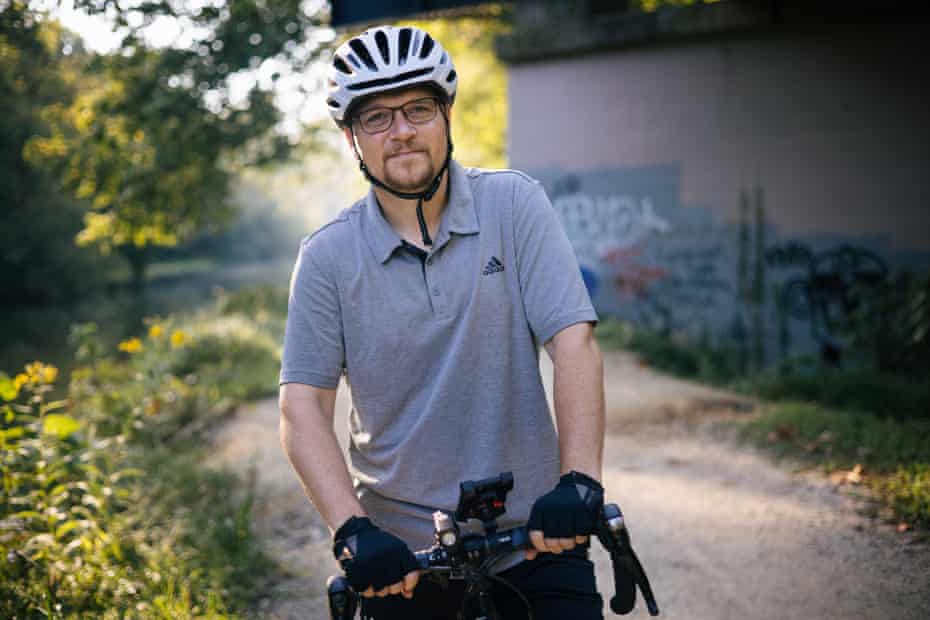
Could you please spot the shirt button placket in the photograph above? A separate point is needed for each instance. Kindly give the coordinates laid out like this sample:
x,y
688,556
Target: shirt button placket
x,y
434,290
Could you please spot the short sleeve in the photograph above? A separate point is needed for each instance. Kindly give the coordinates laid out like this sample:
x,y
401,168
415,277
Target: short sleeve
x,y
314,350
554,293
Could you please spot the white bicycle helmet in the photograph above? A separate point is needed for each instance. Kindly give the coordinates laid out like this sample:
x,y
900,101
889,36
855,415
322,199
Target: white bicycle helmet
x,y
385,58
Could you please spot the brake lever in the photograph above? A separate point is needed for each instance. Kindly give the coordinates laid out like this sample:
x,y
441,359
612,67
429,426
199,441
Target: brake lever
x,y
615,538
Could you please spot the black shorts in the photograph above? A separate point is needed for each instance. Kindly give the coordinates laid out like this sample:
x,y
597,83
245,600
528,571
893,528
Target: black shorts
x,y
557,587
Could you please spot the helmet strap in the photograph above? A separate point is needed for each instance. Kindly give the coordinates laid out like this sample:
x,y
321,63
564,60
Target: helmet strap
x,y
427,194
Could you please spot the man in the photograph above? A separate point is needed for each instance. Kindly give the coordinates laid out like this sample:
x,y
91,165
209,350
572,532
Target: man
x,y
431,296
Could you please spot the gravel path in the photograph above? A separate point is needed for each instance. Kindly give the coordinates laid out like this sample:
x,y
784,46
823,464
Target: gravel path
x,y
722,531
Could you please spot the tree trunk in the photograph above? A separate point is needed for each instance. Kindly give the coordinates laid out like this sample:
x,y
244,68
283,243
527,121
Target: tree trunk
x,y
138,262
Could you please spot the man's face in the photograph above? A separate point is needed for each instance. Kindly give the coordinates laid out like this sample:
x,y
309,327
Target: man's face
x,y
406,155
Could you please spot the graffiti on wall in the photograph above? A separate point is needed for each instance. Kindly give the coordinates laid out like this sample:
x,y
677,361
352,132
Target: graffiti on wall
x,y
681,269
831,286
608,222
640,257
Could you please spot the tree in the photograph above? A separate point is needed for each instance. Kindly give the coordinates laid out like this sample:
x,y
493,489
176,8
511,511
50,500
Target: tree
x,y
38,260
155,135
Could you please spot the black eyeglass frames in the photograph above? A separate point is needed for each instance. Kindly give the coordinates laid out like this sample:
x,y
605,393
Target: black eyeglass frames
x,y
380,118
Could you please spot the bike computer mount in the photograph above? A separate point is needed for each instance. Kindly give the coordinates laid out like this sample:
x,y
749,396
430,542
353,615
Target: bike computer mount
x,y
484,500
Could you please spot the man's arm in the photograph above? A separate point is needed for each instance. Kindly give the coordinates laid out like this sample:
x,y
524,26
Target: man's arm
x,y
309,441
578,386
578,392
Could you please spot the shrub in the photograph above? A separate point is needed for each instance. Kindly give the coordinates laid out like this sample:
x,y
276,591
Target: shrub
x,y
690,361
860,390
105,511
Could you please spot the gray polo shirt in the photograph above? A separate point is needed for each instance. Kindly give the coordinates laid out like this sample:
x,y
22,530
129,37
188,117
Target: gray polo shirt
x,y
440,349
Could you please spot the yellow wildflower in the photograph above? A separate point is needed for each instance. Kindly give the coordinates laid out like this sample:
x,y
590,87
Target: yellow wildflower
x,y
178,338
34,370
133,345
20,380
49,374
155,331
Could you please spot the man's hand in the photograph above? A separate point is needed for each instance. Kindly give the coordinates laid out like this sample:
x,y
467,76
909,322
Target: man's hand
x,y
376,563
565,516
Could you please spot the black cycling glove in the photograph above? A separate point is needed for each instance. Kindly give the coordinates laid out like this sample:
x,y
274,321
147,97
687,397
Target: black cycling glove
x,y
569,510
375,558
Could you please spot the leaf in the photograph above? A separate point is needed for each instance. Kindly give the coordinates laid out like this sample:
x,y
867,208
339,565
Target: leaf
x,y
27,514
41,540
13,433
55,405
66,527
131,472
74,544
60,493
61,425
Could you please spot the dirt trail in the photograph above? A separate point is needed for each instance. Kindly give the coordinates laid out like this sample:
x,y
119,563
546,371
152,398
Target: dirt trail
x,y
722,532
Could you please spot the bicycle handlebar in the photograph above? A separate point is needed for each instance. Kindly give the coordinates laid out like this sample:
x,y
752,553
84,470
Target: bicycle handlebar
x,y
470,556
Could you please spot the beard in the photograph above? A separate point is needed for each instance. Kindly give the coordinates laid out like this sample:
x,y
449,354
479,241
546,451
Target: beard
x,y
410,173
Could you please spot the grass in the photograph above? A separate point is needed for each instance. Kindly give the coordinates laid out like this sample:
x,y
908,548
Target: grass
x,y
882,394
834,419
165,269
892,455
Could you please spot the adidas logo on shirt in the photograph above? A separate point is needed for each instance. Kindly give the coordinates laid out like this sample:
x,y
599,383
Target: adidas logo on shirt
x,y
493,266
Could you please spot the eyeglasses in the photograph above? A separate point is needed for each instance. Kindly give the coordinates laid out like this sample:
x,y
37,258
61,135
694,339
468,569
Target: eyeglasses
x,y
380,118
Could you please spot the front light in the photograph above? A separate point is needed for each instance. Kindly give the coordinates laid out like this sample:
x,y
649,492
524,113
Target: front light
x,y
448,538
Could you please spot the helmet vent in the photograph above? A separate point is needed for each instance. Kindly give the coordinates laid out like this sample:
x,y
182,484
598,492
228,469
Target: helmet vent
x,y
427,46
397,79
332,103
451,77
341,65
403,47
359,48
382,43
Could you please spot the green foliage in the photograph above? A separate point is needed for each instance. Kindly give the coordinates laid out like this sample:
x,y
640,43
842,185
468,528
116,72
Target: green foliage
x,y
907,490
852,437
884,395
150,138
895,454
261,302
38,260
892,331
699,362
650,6
240,358
105,510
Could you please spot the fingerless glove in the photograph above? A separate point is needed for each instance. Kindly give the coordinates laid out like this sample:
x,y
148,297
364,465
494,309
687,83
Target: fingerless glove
x,y
569,510
375,558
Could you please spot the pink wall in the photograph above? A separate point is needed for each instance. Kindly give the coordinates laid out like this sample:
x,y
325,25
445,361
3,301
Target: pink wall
x,y
834,126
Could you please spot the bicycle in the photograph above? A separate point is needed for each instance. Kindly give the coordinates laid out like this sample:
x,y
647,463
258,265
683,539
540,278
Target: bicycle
x,y
470,556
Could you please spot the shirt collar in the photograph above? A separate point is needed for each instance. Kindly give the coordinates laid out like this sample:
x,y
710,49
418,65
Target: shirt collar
x,y
458,217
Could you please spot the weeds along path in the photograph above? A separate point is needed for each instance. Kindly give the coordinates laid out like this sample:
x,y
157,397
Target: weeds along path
x,y
723,532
